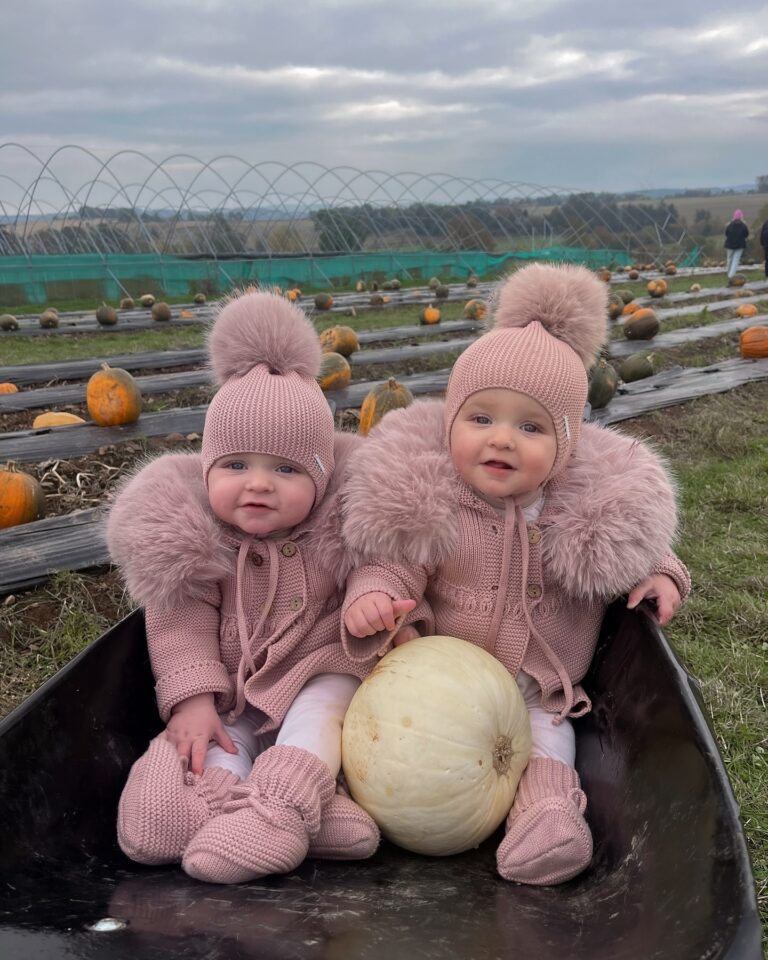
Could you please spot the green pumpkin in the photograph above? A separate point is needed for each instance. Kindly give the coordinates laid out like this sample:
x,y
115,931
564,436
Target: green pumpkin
x,y
641,325
603,383
636,367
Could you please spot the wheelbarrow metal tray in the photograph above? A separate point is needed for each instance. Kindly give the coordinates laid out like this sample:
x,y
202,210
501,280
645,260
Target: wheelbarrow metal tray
x,y
670,879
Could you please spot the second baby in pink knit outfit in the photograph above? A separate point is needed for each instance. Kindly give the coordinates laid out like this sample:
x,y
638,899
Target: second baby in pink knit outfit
x,y
237,557
512,524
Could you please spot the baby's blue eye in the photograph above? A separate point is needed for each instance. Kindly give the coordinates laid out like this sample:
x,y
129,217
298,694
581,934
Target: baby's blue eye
x,y
482,419
286,468
530,428
236,465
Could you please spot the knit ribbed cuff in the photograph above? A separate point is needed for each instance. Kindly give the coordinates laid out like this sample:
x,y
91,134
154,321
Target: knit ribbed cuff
x,y
676,570
202,676
545,778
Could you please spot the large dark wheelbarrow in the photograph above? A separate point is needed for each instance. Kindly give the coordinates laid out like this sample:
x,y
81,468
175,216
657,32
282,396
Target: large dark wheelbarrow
x,y
670,879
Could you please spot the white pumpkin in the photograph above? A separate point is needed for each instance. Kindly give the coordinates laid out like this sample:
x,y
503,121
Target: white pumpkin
x,y
434,744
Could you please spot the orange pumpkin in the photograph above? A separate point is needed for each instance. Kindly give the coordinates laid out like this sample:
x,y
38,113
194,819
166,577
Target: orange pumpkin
x,y
475,310
442,292
383,398
199,298
753,343
472,280
146,300
21,498
323,301
293,294
630,308
127,303
746,310
186,315
161,312
339,339
8,388
633,274
113,397
670,269
54,418
335,372
657,288
360,286
429,315
49,319
737,280
604,274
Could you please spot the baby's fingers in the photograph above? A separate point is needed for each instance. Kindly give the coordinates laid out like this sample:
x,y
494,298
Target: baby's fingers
x,y
382,614
198,752
224,740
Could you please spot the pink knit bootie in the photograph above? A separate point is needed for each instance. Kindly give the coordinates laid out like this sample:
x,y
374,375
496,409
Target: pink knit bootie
x,y
162,806
346,832
548,840
267,825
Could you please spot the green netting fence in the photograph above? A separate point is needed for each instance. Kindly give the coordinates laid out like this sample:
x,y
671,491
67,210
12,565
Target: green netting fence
x,y
45,279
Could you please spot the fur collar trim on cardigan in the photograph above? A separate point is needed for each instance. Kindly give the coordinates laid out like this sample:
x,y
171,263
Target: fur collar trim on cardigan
x,y
170,546
608,517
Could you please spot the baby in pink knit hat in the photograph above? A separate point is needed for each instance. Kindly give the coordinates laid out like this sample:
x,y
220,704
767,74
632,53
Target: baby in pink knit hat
x,y
236,555
511,524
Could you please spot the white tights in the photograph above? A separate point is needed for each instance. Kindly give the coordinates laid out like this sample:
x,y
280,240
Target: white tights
x,y
313,722
550,741
315,718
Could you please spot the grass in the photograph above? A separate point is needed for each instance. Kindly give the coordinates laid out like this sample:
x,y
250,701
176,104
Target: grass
x,y
42,630
719,448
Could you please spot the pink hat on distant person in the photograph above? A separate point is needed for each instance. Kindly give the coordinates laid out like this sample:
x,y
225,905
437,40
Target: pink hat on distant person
x,y
547,326
266,355
738,214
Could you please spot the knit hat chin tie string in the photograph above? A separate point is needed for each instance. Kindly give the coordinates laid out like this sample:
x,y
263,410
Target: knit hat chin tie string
x,y
247,666
514,520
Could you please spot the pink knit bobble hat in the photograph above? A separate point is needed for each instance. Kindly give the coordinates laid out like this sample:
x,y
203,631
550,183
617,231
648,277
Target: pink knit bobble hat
x,y
547,326
265,354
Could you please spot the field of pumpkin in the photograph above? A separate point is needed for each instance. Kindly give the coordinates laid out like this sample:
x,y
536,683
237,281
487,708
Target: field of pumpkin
x,y
70,429
112,393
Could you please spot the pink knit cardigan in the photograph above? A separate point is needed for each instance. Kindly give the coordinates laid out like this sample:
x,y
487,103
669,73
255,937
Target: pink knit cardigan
x,y
179,561
415,529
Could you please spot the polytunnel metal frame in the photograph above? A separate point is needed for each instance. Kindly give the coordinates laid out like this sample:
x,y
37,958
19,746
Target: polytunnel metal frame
x,y
226,211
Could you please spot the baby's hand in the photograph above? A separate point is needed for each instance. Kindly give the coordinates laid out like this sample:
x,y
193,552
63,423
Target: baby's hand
x,y
404,635
374,612
663,590
193,724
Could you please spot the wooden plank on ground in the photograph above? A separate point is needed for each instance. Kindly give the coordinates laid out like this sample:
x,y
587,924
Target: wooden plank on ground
x,y
74,393
32,446
676,338
25,374
666,389
31,552
28,373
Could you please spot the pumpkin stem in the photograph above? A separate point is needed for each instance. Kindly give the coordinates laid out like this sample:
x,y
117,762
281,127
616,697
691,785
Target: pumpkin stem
x,y
502,754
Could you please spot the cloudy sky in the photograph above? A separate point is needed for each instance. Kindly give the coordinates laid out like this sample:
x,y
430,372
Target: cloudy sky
x,y
589,95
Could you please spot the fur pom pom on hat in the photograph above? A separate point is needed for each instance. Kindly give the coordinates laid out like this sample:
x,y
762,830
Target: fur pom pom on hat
x,y
262,327
547,326
265,355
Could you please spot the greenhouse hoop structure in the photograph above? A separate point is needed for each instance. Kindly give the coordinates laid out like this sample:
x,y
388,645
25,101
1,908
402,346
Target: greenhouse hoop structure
x,y
75,224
